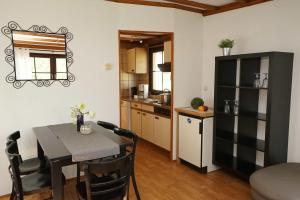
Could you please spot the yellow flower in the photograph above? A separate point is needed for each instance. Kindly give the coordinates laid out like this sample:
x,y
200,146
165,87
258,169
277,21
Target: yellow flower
x,y
92,115
82,106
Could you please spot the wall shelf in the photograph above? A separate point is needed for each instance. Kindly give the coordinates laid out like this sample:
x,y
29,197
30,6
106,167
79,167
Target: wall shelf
x,y
237,137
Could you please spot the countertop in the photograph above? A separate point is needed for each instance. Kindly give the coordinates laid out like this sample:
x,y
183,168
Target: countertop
x,y
192,112
143,101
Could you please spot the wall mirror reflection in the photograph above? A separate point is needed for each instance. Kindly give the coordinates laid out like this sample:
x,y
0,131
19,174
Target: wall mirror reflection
x,y
39,56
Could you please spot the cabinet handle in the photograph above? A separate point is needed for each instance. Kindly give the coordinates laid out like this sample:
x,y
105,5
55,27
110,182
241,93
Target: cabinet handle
x,y
132,70
135,105
156,117
138,112
144,114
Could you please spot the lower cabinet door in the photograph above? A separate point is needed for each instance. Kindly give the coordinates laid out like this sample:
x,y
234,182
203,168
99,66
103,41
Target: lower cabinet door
x,y
148,127
136,122
190,140
162,132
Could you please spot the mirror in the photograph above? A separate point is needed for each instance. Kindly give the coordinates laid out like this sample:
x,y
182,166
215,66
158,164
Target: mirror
x,y
38,55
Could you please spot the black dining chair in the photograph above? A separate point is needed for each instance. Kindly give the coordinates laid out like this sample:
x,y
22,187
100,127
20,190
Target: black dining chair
x,y
107,125
131,149
27,184
29,165
105,179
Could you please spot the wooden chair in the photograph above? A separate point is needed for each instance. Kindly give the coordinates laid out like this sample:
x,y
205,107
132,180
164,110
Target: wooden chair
x,y
107,125
27,184
105,179
29,165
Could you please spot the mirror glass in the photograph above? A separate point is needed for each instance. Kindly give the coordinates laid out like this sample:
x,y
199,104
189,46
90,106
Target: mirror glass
x,y
39,56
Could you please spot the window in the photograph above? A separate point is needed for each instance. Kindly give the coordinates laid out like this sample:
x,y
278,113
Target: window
x,y
159,80
48,66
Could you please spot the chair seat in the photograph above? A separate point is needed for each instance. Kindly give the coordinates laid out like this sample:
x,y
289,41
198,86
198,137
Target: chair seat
x,y
277,182
116,195
36,181
30,165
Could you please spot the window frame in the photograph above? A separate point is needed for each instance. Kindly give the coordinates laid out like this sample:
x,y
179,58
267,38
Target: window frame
x,y
151,51
52,58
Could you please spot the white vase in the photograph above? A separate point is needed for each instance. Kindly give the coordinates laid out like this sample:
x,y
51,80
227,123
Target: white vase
x,y
226,51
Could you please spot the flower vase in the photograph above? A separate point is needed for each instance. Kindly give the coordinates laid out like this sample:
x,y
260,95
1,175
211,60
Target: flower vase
x,y
80,122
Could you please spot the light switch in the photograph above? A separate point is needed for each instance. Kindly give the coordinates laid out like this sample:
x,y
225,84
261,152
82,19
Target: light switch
x,y
108,66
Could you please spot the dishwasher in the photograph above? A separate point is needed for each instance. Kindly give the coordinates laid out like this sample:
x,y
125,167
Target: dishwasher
x,y
195,142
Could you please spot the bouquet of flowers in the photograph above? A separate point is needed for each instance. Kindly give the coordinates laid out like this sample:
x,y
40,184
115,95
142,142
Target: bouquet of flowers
x,y
78,112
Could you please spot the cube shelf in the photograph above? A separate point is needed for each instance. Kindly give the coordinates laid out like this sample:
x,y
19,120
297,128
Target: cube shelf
x,y
234,78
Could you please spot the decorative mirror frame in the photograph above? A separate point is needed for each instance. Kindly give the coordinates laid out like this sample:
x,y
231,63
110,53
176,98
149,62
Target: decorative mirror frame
x,y
10,56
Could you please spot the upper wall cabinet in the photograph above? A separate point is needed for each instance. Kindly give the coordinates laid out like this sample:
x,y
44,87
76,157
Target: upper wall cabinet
x,y
136,61
167,52
38,55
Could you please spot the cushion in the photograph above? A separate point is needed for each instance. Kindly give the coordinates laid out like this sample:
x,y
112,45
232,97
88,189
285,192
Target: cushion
x,y
277,182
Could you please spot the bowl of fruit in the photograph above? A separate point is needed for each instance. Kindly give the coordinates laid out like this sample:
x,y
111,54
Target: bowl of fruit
x,y
198,104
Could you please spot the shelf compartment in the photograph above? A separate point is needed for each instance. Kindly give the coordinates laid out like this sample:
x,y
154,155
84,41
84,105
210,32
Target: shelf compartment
x,y
226,72
249,67
241,167
258,116
249,142
241,87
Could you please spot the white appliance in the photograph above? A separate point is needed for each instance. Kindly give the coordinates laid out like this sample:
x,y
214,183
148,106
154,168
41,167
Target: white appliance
x,y
143,91
195,142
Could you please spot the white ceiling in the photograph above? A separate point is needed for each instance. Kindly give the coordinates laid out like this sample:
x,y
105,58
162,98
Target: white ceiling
x,y
210,2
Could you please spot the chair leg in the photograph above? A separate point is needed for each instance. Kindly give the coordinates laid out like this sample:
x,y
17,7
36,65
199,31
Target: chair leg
x,y
13,194
78,174
135,185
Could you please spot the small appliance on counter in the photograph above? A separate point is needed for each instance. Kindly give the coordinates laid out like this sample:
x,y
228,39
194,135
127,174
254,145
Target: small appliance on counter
x,y
166,97
143,91
133,91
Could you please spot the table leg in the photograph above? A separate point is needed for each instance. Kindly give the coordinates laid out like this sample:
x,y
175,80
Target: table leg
x,y
40,151
57,180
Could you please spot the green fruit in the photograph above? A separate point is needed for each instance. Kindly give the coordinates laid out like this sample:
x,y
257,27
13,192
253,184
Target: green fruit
x,y
196,102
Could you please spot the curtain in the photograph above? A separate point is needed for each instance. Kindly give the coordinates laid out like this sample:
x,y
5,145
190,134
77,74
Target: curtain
x,y
23,64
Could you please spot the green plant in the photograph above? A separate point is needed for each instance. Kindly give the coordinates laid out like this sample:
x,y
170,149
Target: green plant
x,y
196,102
226,43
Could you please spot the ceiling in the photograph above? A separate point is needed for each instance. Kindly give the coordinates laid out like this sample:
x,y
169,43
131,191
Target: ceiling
x,y
204,7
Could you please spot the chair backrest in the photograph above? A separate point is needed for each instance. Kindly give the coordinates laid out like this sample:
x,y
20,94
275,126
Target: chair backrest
x,y
14,137
107,125
14,160
128,134
116,173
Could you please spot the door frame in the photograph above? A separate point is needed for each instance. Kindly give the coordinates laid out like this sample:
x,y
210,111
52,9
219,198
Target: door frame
x,y
171,34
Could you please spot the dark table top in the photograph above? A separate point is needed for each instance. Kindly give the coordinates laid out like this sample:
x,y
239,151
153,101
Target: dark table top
x,y
54,148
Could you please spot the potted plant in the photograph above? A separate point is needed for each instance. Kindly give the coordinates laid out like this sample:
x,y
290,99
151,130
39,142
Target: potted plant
x,y
226,45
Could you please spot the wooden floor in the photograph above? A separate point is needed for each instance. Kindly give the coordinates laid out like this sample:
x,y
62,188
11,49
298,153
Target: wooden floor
x,y
161,179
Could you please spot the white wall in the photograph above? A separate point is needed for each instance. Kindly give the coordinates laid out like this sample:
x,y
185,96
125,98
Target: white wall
x,y
264,27
95,25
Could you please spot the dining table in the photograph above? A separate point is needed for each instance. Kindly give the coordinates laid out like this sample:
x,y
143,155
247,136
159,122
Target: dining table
x,y
62,145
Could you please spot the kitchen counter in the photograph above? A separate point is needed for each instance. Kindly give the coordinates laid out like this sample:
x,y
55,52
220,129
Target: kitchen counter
x,y
143,101
195,113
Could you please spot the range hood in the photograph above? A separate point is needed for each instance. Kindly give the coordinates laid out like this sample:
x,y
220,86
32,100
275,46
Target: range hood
x,y
166,67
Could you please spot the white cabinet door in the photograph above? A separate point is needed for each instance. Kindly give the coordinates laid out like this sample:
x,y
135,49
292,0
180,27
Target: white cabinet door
x,y
189,140
136,122
148,127
167,51
162,132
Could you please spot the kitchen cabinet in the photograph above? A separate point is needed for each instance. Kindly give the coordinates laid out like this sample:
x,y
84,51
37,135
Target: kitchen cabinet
x,y
148,127
137,61
162,132
136,122
168,52
125,114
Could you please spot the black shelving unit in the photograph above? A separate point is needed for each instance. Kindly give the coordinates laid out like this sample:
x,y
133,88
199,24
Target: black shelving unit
x,y
236,141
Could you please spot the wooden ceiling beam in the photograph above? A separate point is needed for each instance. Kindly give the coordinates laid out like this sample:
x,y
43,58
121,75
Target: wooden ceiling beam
x,y
233,6
194,4
159,4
